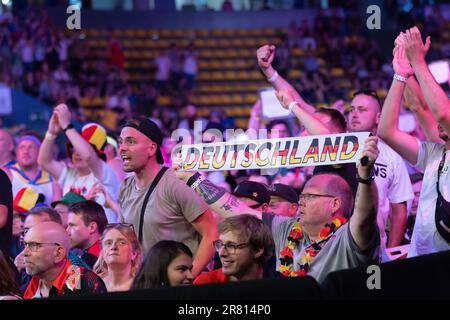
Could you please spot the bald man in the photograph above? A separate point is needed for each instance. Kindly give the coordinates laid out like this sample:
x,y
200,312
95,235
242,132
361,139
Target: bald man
x,y
46,248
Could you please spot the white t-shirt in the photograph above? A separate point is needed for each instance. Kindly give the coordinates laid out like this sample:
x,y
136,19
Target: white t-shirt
x,y
71,181
425,238
19,182
393,184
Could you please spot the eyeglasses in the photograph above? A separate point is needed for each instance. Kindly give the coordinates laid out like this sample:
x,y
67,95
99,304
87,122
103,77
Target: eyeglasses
x,y
230,247
34,246
121,224
309,196
369,92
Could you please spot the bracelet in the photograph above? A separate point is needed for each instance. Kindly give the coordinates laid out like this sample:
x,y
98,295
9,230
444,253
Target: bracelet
x,y
400,78
291,105
273,77
366,180
69,126
193,179
49,136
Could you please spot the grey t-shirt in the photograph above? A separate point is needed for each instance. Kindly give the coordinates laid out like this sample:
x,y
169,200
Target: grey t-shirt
x,y
171,209
339,252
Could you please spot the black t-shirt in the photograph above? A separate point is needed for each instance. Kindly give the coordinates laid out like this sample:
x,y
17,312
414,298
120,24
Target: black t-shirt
x,y
6,199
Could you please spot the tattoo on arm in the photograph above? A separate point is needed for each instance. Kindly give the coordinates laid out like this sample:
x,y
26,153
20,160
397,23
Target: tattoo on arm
x,y
230,204
209,192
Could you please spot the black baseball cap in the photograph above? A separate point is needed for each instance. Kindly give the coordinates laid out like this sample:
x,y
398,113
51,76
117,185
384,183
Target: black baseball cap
x,y
151,130
284,191
253,190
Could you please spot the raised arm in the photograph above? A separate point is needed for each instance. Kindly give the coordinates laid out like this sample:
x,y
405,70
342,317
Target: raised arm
x,y
401,142
363,222
45,157
86,151
313,125
435,97
265,56
218,200
414,98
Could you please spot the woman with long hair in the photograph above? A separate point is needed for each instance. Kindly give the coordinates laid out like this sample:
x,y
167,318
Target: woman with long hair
x,y
168,263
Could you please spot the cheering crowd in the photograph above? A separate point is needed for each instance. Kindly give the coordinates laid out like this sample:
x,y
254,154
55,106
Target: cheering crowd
x,y
121,214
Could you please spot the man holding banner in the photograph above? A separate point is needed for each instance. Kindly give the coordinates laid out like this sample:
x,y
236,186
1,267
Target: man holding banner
x,y
320,240
391,176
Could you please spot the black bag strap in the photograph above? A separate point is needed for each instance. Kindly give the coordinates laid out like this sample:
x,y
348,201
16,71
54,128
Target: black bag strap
x,y
441,165
442,211
147,196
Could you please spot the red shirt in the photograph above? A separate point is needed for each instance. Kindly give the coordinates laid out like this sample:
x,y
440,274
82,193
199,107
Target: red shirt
x,y
215,276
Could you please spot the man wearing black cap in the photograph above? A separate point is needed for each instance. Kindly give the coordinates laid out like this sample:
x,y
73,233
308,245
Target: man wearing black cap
x,y
283,200
173,210
253,194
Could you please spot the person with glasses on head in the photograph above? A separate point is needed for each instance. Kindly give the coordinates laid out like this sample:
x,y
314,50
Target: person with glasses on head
x,y
320,240
245,244
46,260
168,263
391,174
120,258
431,231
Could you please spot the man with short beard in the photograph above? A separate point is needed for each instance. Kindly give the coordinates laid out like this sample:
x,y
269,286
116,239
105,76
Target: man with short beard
x,y
46,248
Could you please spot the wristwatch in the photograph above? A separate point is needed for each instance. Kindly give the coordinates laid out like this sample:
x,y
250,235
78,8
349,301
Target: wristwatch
x,y
69,126
367,180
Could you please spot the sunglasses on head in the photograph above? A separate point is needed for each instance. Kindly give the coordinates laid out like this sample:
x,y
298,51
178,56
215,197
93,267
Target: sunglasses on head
x,y
369,92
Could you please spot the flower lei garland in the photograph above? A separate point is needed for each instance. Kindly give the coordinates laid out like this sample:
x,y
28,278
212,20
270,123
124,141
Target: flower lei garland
x,y
294,238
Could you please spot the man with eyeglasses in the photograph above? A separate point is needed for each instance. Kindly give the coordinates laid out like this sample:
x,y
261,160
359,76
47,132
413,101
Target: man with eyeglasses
x,y
245,244
34,217
46,259
319,241
391,176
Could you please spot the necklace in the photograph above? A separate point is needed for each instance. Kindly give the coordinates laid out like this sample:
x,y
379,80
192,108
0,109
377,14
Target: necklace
x,y
293,240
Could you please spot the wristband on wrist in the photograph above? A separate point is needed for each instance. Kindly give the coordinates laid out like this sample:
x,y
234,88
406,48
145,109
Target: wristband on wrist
x,y
400,78
49,136
273,77
69,126
193,179
366,180
291,105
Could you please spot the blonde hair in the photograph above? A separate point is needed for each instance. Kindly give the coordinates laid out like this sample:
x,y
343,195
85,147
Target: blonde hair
x,y
101,268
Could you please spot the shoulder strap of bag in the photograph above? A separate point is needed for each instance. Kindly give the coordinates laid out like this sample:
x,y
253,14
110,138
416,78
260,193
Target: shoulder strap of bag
x,y
147,196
